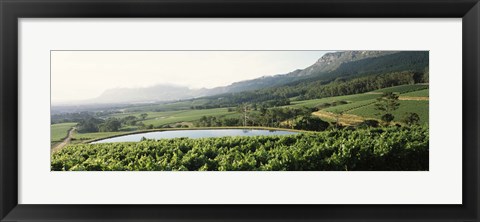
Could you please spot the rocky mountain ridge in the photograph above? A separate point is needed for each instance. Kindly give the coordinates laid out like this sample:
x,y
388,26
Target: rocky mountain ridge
x,y
166,92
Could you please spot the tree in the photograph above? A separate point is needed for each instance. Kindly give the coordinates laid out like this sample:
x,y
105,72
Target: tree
x,y
425,75
310,123
386,104
338,115
110,125
411,119
263,109
129,120
244,111
89,125
143,116
387,117
368,123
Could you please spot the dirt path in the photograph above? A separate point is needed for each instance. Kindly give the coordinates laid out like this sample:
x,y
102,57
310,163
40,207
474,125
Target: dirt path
x,y
415,98
345,119
64,142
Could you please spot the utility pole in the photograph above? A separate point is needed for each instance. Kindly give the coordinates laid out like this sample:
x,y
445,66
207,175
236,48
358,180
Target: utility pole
x,y
245,114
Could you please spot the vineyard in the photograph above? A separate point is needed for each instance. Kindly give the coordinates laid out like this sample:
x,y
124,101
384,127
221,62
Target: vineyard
x,y
380,149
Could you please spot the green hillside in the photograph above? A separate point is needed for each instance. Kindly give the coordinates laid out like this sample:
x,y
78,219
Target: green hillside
x,y
60,131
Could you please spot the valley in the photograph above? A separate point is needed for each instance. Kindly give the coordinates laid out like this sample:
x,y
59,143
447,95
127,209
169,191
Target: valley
x,y
345,92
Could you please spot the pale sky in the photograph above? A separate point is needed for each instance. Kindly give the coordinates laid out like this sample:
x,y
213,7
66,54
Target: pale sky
x,y
81,75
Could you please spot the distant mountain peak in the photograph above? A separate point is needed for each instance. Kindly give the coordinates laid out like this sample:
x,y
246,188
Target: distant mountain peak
x,y
332,60
324,67
156,93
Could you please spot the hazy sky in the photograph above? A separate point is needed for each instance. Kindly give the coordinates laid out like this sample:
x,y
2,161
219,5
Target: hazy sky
x,y
80,75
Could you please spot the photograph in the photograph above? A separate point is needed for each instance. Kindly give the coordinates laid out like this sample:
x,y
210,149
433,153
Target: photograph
x,y
239,110
278,110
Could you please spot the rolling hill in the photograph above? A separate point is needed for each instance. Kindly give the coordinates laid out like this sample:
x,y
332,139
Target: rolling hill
x,y
330,67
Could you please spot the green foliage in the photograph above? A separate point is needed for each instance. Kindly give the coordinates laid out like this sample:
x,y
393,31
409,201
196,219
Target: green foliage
x,y
129,120
387,117
303,90
419,107
426,72
310,123
387,104
357,85
411,119
273,117
70,117
389,148
210,121
402,89
88,125
145,127
368,123
349,98
110,125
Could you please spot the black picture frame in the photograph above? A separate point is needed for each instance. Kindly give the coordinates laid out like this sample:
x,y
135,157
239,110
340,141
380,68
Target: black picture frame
x,y
12,10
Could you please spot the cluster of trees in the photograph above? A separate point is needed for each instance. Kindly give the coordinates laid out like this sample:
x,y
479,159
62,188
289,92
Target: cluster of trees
x,y
303,90
253,115
252,97
71,117
388,103
91,124
309,123
301,118
286,117
79,116
343,86
214,121
380,149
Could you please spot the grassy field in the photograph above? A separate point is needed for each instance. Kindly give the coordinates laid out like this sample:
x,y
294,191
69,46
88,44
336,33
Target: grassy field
x,y
171,106
360,105
60,131
158,119
349,98
419,107
363,104
419,93
404,88
187,116
350,106
92,136
151,115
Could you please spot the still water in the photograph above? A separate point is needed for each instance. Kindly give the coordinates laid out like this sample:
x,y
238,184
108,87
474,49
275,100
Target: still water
x,y
194,134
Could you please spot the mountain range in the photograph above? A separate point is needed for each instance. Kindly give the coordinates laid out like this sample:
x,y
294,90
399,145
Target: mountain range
x,y
330,66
